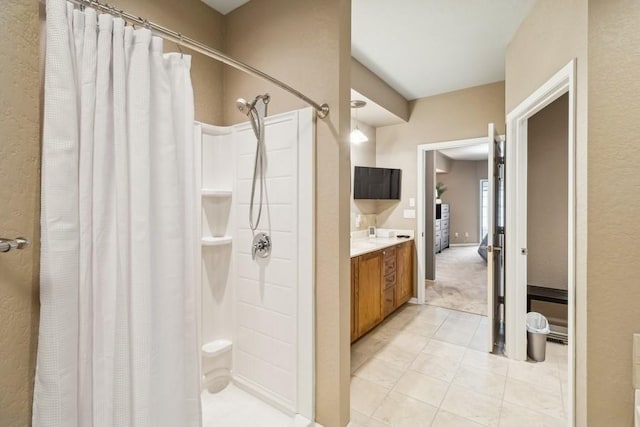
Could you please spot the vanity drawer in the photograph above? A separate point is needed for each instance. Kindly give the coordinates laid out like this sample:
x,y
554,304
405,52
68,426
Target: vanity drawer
x,y
390,280
388,301
389,260
444,208
445,224
437,224
445,242
438,235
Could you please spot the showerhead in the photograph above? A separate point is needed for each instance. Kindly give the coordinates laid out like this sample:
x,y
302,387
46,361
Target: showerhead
x,y
244,106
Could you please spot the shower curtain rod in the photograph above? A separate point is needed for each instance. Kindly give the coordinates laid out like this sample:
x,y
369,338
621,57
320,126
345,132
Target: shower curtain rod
x,y
179,39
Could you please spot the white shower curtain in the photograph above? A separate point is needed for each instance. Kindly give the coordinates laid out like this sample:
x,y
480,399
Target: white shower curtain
x,y
118,337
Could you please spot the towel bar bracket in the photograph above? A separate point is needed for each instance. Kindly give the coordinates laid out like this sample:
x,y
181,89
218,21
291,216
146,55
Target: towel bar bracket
x,y
7,245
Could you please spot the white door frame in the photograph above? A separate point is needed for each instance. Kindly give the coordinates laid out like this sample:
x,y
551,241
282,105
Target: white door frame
x,y
422,149
515,220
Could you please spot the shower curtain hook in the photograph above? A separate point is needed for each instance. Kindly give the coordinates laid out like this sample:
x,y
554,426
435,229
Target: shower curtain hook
x,y
180,46
146,24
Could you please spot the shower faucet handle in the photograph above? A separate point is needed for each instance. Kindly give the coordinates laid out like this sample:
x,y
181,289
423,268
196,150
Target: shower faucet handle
x,y
261,246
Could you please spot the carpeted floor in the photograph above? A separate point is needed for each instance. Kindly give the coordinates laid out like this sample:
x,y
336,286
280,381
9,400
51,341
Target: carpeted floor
x,y
461,281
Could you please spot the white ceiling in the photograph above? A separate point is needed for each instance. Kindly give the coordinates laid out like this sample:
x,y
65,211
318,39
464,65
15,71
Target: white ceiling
x,y
472,152
373,114
225,6
425,47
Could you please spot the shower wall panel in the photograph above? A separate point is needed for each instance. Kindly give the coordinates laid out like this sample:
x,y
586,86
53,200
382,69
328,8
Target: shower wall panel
x,y
269,313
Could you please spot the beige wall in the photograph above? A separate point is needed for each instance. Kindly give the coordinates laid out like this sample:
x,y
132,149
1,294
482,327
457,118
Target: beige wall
x,y
455,115
363,154
551,35
197,20
463,196
547,203
20,199
614,208
377,90
308,44
547,196
443,163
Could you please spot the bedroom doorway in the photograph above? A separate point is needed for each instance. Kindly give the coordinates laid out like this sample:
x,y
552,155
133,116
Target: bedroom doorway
x,y
460,279
454,208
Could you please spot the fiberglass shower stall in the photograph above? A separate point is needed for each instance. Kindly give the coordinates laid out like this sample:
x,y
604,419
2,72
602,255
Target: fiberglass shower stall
x,y
256,314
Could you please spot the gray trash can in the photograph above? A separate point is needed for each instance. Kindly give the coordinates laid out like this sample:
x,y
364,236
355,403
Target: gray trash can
x,y
537,331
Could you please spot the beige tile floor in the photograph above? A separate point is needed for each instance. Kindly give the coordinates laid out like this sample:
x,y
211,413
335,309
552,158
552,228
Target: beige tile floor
x,y
425,366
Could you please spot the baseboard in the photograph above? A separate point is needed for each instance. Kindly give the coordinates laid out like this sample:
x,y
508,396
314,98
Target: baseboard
x,y
263,394
454,245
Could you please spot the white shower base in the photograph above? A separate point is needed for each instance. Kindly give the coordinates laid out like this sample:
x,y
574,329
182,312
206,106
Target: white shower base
x,y
233,407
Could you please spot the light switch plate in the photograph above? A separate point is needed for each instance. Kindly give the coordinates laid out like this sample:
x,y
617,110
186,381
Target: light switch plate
x,y
412,202
636,361
409,213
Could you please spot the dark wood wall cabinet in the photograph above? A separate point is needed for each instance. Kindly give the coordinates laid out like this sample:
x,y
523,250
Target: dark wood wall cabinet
x,y
381,281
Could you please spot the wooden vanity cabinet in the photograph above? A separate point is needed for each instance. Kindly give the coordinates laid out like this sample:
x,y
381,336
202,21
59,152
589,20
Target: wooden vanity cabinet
x,y
369,291
389,288
381,281
354,298
404,273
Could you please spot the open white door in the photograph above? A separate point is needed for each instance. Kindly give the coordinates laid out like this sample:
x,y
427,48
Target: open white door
x,y
495,240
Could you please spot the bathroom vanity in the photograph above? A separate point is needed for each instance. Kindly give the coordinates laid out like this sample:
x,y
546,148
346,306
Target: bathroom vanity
x,y
382,280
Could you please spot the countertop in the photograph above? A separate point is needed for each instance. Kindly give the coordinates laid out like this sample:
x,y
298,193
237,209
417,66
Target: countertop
x,y
364,245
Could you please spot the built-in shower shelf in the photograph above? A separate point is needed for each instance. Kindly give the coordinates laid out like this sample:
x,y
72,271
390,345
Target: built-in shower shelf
x,y
213,192
216,241
215,348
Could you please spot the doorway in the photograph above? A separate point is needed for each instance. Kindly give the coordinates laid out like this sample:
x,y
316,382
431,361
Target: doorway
x,y
458,280
521,269
427,223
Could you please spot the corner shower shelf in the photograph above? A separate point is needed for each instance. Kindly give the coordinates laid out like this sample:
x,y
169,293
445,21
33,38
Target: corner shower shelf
x,y
215,348
212,192
216,241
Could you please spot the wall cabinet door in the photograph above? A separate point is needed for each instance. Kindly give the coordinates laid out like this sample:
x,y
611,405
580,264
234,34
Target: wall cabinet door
x,y
404,282
370,282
